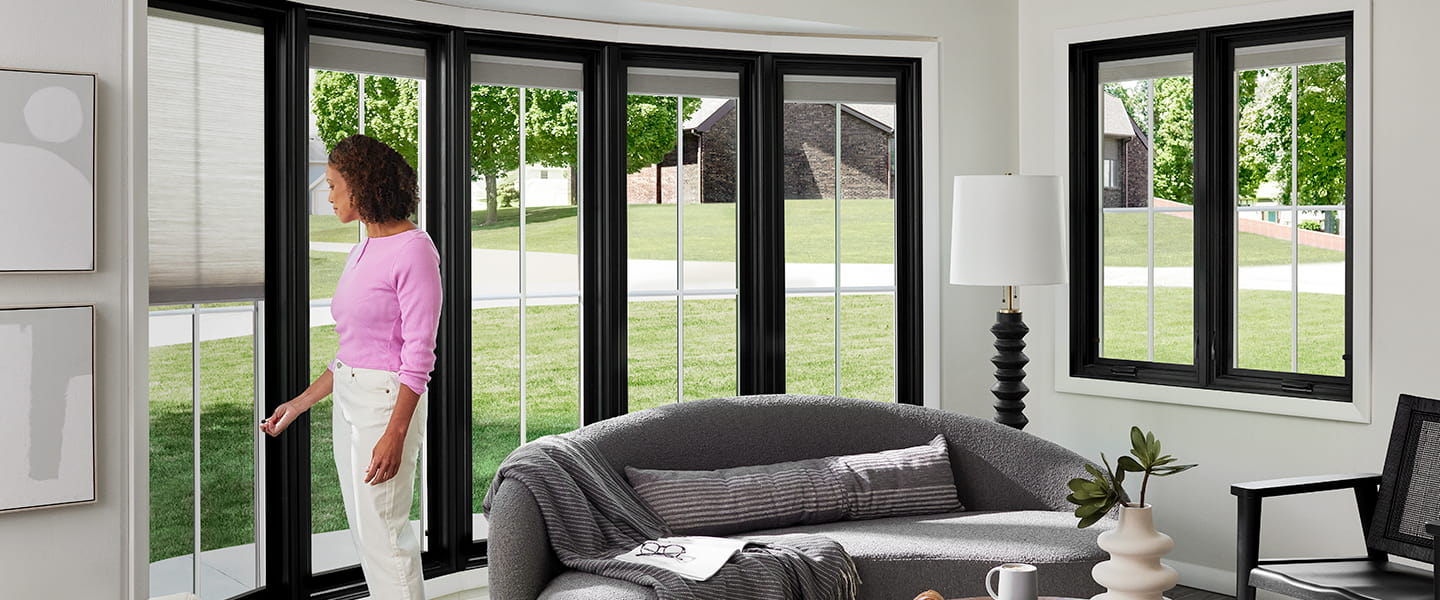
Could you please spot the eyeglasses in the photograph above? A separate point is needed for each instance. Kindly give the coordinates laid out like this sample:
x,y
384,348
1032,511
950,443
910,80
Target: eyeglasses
x,y
675,551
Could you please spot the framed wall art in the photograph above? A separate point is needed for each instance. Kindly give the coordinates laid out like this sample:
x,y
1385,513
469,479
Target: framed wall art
x,y
47,161
47,438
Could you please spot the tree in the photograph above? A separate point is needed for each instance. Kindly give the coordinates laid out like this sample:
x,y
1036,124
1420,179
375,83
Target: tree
x,y
551,129
1317,125
1174,141
650,124
1321,134
1253,167
552,124
494,139
392,110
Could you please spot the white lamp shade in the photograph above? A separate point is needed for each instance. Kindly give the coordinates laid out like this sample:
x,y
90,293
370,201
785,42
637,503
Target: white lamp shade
x,y
1008,230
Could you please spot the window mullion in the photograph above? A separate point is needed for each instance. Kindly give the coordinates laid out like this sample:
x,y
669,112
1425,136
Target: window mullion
x,y
1211,174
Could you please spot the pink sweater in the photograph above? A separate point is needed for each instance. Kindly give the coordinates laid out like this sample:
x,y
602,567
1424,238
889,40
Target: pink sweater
x,y
387,306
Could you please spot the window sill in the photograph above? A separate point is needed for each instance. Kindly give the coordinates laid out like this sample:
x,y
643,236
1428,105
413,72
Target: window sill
x,y
460,585
1355,411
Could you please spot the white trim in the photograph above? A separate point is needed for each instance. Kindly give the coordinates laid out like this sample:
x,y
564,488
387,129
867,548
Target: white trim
x,y
135,300
1359,410
931,224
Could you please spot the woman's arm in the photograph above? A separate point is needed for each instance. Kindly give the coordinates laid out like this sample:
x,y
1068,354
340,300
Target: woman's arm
x,y
287,413
385,458
417,288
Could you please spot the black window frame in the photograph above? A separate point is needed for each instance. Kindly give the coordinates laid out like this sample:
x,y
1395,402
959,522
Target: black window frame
x,y
1213,51
288,27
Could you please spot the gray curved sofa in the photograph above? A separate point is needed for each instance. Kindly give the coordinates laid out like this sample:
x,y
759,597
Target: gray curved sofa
x,y
1011,483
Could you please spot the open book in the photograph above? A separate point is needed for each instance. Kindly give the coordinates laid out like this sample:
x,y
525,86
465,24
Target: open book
x,y
691,557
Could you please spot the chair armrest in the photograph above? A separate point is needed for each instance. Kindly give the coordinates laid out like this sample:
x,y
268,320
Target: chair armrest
x,y
1248,498
1303,485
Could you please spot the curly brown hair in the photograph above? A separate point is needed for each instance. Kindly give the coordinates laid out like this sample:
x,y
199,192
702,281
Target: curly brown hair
x,y
382,184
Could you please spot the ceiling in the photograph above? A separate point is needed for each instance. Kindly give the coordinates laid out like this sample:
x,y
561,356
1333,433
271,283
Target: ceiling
x,y
640,12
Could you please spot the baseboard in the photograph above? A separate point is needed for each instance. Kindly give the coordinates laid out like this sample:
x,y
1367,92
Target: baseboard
x,y
1210,579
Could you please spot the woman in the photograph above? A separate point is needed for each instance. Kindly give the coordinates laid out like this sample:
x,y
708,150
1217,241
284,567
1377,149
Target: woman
x,y
386,309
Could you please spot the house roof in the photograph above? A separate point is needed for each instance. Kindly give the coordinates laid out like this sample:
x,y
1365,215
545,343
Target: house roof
x,y
710,112
1117,120
880,116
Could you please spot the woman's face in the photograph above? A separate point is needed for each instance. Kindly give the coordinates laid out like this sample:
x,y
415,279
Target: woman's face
x,y
340,198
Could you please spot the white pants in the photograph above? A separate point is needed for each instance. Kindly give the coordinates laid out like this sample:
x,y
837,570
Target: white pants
x,y
379,515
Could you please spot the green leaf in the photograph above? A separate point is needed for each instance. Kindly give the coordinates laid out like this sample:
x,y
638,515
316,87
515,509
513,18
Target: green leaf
x,y
1087,510
1128,464
1167,471
1094,471
1137,441
1090,520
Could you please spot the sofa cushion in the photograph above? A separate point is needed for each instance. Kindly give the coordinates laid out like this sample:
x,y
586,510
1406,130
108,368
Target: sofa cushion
x,y
577,585
900,557
903,556
906,481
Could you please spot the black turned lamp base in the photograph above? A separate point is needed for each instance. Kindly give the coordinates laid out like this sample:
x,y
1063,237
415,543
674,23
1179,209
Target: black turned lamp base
x,y
1010,361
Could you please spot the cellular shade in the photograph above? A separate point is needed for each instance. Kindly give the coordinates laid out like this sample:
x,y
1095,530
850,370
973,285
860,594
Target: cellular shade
x,y
1007,230
1149,67
353,56
1309,52
206,160
674,82
850,90
526,72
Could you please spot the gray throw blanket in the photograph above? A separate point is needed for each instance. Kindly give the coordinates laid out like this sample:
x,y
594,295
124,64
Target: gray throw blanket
x,y
592,516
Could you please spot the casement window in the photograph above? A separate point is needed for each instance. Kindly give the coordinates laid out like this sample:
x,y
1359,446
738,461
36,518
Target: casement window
x,y
1224,261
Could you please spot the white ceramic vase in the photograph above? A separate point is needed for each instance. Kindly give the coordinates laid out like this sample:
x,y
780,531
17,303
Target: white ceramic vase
x,y
1134,571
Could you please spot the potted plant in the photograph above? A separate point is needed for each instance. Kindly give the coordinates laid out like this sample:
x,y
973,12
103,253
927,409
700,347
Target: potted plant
x,y
1134,569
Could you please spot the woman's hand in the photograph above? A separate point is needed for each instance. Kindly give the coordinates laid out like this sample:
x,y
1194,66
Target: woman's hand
x,y
285,414
385,458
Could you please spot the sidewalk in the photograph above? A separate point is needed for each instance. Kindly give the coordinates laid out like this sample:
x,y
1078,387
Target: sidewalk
x,y
552,278
1315,278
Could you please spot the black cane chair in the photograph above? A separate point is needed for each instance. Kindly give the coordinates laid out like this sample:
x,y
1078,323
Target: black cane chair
x,y
1399,512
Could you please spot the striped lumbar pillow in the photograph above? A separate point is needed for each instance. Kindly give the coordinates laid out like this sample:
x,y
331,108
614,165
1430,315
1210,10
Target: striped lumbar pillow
x,y
892,483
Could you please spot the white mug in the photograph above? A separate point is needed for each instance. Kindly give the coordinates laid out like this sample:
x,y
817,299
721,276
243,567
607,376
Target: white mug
x,y
1017,582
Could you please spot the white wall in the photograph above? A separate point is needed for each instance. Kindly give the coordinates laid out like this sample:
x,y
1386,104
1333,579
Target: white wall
x,y
1231,446
81,551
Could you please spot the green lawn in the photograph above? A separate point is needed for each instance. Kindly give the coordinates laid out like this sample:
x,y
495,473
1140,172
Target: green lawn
x,y
1126,244
867,231
551,380
1264,327
327,228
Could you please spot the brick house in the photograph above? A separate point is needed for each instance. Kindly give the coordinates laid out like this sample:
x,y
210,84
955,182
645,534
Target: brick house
x,y
866,149
1125,158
